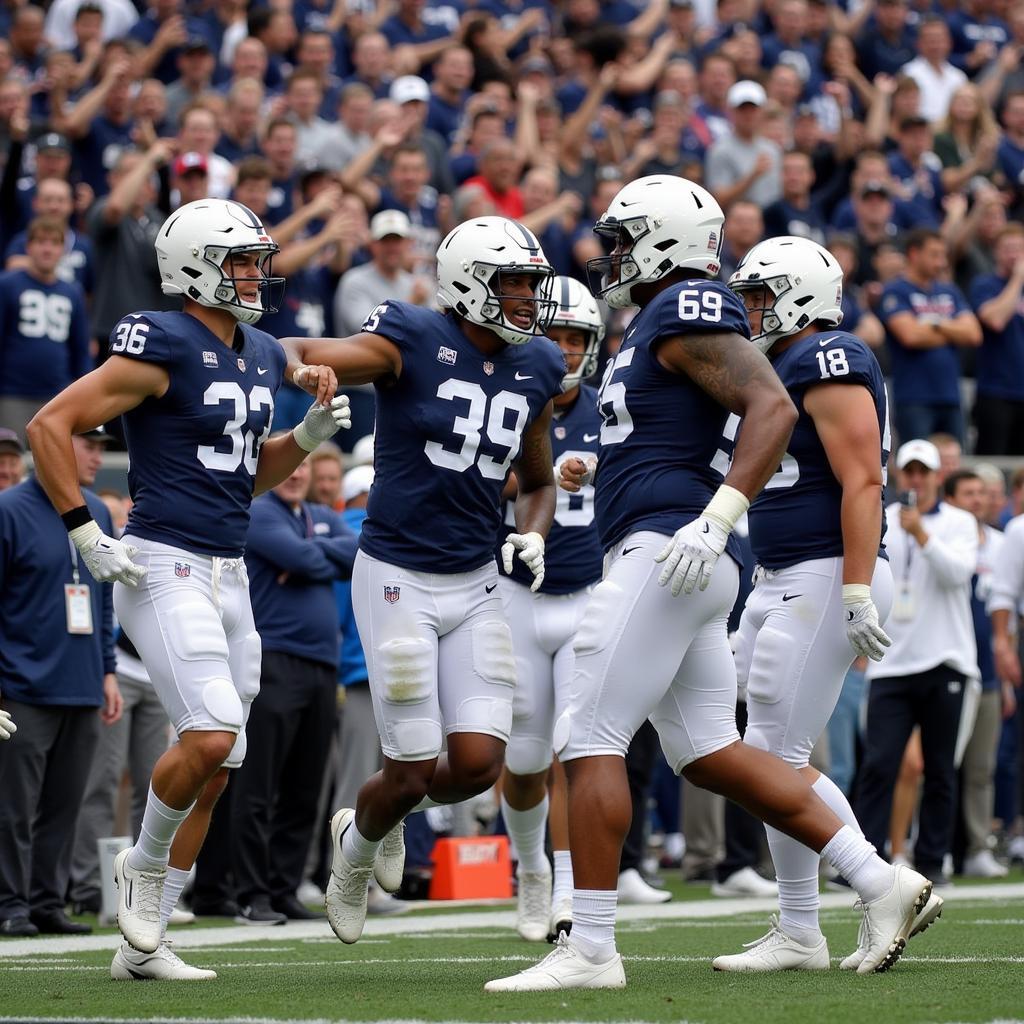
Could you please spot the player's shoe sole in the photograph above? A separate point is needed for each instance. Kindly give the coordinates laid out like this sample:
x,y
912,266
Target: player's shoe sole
x,y
890,920
138,903
925,919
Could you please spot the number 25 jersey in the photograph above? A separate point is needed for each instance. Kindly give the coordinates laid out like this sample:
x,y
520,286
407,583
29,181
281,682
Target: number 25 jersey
x,y
446,435
194,450
660,460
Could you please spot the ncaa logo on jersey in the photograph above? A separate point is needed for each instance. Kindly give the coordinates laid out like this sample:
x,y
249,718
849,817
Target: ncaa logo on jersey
x,y
241,365
392,594
560,433
488,368
446,355
182,570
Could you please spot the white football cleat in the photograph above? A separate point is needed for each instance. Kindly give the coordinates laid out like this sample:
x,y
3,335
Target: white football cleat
x,y
775,951
984,865
138,903
561,918
932,912
533,904
163,965
564,967
889,920
389,864
745,882
633,889
348,885
181,916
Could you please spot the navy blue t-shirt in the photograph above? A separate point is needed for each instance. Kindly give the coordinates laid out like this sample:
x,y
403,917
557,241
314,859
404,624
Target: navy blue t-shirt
x,y
77,263
999,363
573,555
797,517
923,375
447,432
194,451
660,461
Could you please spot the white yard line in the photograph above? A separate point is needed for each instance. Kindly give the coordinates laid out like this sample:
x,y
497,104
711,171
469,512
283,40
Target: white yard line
x,y
191,937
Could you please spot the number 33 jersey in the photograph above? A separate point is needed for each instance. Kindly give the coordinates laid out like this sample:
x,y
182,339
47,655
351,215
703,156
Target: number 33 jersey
x,y
446,435
194,450
661,460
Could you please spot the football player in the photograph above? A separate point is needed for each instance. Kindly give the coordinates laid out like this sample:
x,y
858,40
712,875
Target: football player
x,y
685,364
196,392
461,400
543,625
823,584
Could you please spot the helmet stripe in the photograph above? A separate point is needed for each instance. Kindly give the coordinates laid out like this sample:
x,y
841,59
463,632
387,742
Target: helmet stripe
x,y
564,303
528,237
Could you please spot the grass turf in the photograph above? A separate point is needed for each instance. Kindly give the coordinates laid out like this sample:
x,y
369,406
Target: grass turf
x,y
969,967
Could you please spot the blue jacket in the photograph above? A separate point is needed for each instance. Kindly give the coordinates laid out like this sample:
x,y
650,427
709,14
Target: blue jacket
x,y
40,662
352,663
293,558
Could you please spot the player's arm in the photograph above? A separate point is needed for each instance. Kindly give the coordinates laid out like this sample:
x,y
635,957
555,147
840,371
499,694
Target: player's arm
x,y
360,359
535,502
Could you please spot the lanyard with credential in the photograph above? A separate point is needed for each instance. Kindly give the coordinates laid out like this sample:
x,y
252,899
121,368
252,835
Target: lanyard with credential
x,y
77,599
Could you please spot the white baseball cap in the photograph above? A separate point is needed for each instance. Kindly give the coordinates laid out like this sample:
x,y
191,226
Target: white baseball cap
x,y
918,451
408,88
746,92
390,222
356,481
362,452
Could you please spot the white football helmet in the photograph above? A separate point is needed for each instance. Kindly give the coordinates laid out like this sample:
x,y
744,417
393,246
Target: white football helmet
x,y
804,280
577,309
469,264
660,223
193,246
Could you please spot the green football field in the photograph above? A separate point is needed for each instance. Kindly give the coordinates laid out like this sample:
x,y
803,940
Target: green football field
x,y
430,966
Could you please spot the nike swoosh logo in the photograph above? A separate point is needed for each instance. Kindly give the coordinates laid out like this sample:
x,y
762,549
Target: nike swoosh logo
x,y
590,437
523,376
789,597
490,588
260,371
828,341
626,551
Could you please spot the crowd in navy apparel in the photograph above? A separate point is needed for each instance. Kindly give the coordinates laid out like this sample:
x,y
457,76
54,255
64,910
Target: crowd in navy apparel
x,y
361,131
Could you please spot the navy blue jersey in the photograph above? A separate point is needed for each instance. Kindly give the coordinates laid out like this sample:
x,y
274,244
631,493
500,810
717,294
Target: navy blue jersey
x,y
660,461
194,451
446,434
573,555
797,515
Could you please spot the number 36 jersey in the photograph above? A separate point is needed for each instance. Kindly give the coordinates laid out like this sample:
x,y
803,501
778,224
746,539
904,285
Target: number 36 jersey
x,y
194,450
797,516
660,460
446,435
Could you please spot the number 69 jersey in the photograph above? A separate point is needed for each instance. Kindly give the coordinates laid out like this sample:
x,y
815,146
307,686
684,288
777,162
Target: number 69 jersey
x,y
447,432
797,516
660,460
194,451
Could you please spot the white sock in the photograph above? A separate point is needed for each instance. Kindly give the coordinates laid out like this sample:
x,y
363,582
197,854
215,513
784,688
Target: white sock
x,y
173,884
832,795
796,868
425,804
152,850
561,888
593,923
855,859
526,830
358,850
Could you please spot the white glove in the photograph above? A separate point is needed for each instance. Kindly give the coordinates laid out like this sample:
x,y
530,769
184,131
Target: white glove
x,y
322,422
108,560
531,550
691,554
7,726
866,636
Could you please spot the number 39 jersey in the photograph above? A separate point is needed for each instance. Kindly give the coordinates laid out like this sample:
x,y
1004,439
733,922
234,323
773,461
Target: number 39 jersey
x,y
194,450
660,460
573,556
797,516
447,432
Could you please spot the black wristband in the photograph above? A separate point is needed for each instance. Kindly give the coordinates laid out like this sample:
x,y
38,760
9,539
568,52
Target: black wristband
x,y
76,517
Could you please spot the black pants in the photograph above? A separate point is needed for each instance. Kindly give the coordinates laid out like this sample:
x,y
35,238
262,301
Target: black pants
x,y
1000,423
640,759
43,771
274,804
932,700
743,832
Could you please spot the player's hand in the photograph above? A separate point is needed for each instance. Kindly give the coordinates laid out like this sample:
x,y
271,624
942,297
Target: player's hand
x,y
530,547
7,726
866,636
319,381
575,473
108,560
322,422
691,554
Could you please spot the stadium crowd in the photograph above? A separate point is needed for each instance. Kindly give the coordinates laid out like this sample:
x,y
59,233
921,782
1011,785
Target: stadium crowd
x,y
361,132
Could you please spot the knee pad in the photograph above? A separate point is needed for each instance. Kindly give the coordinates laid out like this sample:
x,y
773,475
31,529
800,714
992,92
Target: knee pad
x,y
771,683
493,660
406,680
195,632
222,703
594,632
560,736
528,755
237,754
252,662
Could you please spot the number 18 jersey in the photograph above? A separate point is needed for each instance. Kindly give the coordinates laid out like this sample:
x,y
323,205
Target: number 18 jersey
x,y
194,450
660,460
446,435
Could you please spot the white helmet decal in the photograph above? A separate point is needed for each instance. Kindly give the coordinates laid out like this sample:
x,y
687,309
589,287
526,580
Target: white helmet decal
x,y
577,309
